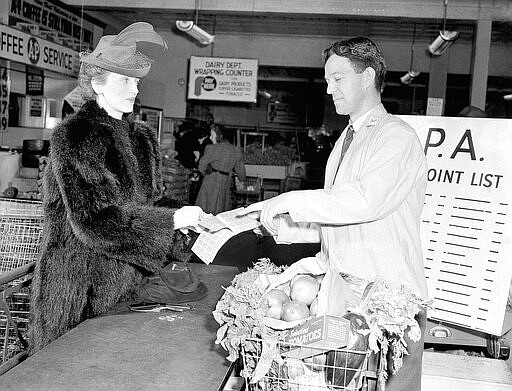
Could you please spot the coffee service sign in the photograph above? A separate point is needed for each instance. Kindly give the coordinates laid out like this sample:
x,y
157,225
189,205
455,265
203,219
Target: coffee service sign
x,y
27,49
466,220
223,79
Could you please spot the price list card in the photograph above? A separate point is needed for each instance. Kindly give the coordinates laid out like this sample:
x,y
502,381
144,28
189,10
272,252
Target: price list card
x,y
466,219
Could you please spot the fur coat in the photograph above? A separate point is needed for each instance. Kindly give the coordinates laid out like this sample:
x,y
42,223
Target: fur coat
x,y
101,232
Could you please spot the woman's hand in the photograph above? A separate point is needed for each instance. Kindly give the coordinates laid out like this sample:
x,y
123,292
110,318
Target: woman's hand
x,y
187,217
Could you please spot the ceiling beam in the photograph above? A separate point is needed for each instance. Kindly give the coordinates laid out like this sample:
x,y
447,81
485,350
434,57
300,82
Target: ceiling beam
x,y
424,9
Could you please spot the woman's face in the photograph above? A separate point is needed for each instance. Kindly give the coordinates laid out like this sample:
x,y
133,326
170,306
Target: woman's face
x,y
213,136
117,94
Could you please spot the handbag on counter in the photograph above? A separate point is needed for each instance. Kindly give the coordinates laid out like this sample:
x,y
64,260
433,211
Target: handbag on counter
x,y
176,283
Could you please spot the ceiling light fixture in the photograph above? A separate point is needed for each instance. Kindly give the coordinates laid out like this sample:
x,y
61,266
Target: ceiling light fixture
x,y
196,32
191,28
264,94
445,38
409,76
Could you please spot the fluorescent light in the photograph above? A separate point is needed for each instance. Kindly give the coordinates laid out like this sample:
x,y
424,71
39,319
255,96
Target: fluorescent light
x,y
442,42
264,94
409,76
196,32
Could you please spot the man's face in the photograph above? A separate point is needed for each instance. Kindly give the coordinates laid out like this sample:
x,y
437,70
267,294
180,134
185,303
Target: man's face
x,y
344,84
118,93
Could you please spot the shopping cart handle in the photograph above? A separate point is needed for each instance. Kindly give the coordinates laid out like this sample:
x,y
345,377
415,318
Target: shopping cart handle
x,y
369,374
19,272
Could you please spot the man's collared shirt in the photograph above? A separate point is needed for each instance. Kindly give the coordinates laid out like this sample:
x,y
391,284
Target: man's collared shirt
x,y
368,213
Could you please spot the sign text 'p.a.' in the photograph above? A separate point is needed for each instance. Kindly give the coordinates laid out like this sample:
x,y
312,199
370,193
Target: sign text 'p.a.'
x,y
467,218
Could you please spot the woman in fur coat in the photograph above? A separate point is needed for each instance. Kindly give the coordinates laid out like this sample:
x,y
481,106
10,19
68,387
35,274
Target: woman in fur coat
x,y
101,233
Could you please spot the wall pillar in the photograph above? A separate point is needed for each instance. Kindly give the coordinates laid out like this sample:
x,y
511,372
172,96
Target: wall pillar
x,y
438,74
480,63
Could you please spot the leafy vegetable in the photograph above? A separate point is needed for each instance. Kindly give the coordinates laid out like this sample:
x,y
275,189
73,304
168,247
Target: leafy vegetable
x,y
240,315
278,155
389,311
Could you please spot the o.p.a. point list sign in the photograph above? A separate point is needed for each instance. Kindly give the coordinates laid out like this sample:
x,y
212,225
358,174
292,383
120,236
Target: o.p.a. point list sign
x,y
466,221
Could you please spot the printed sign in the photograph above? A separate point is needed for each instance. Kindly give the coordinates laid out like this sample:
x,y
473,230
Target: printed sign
x,y
226,79
74,98
152,117
34,81
36,107
27,49
435,106
5,90
282,113
53,17
467,218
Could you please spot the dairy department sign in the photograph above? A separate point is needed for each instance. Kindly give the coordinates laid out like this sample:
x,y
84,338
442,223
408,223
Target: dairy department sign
x,y
226,79
26,49
466,222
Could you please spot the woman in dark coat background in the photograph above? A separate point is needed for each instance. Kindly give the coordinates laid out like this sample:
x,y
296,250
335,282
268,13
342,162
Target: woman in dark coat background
x,y
219,163
101,233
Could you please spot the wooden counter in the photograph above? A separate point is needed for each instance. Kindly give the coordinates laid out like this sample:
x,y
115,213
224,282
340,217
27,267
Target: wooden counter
x,y
442,371
134,351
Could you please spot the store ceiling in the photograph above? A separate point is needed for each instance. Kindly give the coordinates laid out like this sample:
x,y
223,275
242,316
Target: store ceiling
x,y
303,25
300,25
393,19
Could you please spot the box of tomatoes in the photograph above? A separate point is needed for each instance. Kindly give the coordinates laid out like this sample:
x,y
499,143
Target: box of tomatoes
x,y
317,335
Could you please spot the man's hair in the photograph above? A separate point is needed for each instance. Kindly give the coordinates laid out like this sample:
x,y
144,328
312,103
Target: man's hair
x,y
87,74
362,53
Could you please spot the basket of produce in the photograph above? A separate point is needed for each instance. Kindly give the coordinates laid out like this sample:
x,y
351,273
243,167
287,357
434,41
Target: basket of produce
x,y
276,155
279,321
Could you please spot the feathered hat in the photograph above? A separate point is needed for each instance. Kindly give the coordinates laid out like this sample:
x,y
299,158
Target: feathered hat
x,y
119,54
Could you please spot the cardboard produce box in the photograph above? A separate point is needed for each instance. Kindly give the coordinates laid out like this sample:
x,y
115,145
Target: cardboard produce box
x,y
266,172
317,335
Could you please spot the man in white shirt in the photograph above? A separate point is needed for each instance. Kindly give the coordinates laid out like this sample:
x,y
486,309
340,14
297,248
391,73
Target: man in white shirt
x,y
367,216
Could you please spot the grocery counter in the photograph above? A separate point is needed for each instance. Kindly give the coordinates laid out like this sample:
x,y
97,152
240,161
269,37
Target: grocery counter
x,y
134,351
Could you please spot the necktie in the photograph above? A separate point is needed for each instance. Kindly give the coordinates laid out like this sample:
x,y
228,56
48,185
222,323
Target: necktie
x,y
346,144
347,141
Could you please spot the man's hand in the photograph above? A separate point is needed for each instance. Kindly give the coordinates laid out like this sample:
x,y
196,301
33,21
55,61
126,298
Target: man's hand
x,y
268,209
253,211
187,217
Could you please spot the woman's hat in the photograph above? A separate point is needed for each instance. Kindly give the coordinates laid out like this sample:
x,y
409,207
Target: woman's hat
x,y
119,54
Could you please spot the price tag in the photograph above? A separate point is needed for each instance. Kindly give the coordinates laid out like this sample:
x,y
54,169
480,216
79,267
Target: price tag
x,y
5,89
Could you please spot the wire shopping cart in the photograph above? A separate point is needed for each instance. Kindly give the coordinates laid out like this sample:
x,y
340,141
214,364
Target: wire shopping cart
x,y
248,192
338,369
21,224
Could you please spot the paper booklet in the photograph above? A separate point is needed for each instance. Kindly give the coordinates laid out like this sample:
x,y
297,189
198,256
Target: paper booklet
x,y
218,230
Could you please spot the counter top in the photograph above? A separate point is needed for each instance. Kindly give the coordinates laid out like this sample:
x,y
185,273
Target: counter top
x,y
134,351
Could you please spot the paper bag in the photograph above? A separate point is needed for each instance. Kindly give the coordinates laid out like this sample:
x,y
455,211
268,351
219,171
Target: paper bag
x,y
310,265
335,295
